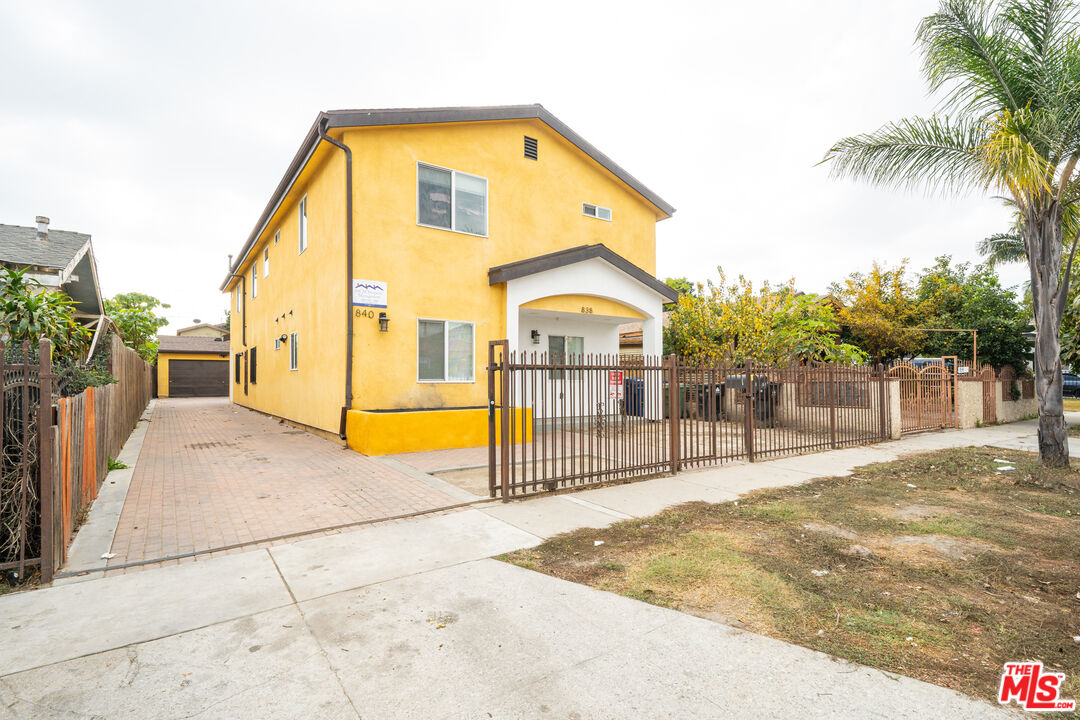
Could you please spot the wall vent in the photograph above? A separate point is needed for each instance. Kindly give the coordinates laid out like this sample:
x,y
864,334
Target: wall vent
x,y
531,148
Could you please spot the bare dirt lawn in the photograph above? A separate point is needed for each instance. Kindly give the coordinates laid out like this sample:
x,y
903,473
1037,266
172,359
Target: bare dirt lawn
x,y
938,566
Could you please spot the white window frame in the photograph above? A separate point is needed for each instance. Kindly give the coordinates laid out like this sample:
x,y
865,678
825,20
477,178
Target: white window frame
x,y
277,236
266,261
294,355
254,279
453,199
302,228
595,211
277,343
238,295
446,352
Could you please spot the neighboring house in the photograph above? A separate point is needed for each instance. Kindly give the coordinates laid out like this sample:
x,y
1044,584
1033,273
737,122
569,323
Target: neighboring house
x,y
631,337
60,260
468,225
210,330
192,366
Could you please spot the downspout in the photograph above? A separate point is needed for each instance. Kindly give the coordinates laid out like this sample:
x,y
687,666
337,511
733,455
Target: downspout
x,y
348,275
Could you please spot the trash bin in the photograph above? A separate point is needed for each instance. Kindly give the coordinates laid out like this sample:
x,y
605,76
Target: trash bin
x,y
766,396
634,397
682,399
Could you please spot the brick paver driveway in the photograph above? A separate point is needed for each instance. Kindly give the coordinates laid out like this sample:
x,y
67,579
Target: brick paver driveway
x,y
212,474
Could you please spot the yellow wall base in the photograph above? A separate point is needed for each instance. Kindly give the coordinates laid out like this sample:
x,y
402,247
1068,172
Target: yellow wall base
x,y
384,433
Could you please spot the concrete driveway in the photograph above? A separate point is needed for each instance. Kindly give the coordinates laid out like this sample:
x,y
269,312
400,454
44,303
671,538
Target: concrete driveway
x,y
211,474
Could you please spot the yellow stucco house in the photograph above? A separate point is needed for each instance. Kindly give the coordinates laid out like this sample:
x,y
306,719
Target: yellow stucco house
x,y
399,242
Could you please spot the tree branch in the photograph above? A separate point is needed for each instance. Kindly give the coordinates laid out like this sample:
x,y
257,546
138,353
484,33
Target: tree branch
x,y
1063,289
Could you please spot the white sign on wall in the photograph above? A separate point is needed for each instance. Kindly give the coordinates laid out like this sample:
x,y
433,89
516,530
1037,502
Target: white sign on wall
x,y
369,293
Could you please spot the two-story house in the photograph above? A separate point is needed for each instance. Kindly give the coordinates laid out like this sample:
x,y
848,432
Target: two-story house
x,y
399,242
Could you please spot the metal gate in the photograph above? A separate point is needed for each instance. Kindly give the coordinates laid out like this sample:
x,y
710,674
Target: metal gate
x,y
927,394
570,421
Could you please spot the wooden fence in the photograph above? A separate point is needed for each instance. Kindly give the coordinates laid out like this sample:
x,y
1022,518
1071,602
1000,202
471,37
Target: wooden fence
x,y
58,451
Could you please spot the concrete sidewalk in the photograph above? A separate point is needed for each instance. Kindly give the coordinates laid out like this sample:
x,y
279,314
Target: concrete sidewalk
x,y
410,620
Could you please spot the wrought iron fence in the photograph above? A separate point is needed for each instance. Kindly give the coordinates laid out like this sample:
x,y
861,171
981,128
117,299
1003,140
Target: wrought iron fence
x,y
565,422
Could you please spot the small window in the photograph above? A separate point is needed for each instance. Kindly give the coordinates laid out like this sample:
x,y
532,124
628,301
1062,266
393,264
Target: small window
x,y
277,236
266,261
302,234
451,200
239,362
255,280
238,295
565,349
293,353
251,369
445,351
531,148
601,213
277,343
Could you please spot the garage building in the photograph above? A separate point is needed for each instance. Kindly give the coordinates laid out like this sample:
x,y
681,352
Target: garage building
x,y
192,366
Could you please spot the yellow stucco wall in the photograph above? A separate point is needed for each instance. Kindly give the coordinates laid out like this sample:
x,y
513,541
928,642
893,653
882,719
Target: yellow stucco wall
x,y
163,366
534,207
385,433
578,304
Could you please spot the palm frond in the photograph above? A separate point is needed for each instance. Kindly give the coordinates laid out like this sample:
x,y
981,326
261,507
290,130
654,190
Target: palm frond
x,y
929,152
1009,157
1002,248
966,52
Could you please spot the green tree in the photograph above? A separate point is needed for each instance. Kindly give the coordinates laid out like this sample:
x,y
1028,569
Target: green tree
x,y
880,308
680,285
1009,75
136,322
735,322
29,312
960,296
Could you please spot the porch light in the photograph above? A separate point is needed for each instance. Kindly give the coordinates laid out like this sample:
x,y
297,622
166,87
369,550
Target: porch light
x,y
384,322
284,338
535,337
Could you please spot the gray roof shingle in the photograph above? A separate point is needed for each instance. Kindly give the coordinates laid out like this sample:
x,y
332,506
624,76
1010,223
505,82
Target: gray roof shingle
x,y
189,344
21,246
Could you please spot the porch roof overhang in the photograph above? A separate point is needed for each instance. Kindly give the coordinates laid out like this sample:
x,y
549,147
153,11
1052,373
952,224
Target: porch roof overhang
x,y
582,253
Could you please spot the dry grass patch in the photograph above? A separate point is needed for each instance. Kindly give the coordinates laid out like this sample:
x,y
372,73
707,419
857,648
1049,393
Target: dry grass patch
x,y
944,581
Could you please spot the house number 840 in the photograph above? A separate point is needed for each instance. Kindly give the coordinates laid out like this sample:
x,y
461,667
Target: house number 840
x,y
364,313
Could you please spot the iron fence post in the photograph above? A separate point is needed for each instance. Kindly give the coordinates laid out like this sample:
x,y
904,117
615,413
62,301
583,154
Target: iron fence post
x,y
674,412
748,412
45,464
491,416
832,388
504,418
882,400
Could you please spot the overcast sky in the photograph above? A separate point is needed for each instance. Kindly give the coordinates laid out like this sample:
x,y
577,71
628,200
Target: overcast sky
x,y
162,128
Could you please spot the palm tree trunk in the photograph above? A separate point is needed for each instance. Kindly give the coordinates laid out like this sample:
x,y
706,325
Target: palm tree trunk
x,y
1042,232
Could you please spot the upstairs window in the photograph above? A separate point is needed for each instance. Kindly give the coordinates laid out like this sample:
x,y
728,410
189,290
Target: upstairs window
x,y
266,261
600,213
254,280
444,351
277,236
301,212
451,200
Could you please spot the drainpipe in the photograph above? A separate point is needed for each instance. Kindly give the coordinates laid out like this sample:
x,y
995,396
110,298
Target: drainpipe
x,y
243,307
348,274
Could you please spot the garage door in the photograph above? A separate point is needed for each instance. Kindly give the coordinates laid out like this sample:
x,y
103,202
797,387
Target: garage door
x,y
198,378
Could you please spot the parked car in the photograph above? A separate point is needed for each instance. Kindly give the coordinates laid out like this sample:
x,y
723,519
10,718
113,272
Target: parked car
x,y
1070,385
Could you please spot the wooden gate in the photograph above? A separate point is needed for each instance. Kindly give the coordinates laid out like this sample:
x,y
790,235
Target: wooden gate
x,y
927,394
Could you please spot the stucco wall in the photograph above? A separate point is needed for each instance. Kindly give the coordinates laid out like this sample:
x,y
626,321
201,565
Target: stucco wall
x,y
534,207
969,403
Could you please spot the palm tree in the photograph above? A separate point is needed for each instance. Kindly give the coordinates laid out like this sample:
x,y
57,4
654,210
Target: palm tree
x,y
1008,72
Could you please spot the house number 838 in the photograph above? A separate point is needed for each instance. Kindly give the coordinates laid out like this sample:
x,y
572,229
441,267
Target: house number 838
x,y
586,309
